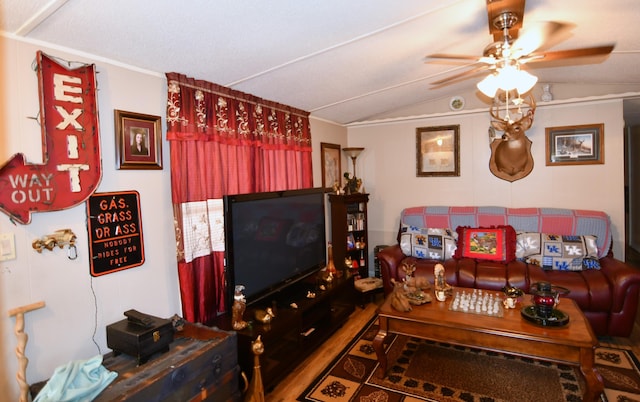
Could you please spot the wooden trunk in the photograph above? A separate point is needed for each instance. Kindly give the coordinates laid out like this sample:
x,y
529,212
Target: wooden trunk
x,y
201,365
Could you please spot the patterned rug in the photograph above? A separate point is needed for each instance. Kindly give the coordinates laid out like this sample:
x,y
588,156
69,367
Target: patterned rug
x,y
421,370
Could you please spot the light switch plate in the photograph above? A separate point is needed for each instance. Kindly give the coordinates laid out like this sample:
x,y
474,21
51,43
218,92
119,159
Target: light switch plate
x,y
7,247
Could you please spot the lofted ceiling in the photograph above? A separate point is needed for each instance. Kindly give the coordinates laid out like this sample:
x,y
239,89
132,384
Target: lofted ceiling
x,y
344,61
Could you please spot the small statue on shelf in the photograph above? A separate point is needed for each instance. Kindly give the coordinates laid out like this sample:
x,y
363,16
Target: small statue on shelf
x,y
336,188
238,308
352,185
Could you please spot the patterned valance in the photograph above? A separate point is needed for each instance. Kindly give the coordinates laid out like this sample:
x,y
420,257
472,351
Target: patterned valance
x,y
203,111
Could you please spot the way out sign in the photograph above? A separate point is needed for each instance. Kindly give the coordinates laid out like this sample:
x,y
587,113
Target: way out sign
x,y
72,166
115,232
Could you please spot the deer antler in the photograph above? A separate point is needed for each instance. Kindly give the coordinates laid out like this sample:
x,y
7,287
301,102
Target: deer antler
x,y
506,124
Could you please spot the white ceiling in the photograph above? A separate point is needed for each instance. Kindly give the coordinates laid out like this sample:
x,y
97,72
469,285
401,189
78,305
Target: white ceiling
x,y
344,61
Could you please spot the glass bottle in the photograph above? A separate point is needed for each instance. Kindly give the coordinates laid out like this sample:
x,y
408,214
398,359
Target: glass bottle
x,y
238,308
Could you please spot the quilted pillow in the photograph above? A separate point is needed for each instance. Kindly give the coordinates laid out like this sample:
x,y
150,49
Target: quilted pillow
x,y
495,243
430,243
556,252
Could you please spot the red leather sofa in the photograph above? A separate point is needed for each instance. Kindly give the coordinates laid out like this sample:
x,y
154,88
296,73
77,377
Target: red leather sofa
x,y
608,296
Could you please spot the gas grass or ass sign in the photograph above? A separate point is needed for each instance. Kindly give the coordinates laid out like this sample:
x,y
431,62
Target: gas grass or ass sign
x,y
115,232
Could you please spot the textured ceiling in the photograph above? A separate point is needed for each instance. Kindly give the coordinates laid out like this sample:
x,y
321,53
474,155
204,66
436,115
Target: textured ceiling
x,y
344,61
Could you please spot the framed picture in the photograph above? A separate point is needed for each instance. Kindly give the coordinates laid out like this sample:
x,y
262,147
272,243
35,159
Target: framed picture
x,y
330,162
575,145
438,151
138,141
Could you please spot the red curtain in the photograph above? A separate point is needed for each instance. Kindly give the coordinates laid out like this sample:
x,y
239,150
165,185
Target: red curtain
x,y
222,142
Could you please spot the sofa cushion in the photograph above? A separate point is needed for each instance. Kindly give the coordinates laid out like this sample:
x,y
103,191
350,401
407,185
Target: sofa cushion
x,y
561,253
495,243
431,243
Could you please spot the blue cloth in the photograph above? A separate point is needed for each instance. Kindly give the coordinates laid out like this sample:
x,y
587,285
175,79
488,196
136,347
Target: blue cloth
x,y
77,381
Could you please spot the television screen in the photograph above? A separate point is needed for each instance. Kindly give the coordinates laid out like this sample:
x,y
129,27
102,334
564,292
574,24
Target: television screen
x,y
273,239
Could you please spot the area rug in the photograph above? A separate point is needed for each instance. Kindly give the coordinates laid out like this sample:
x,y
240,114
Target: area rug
x,y
421,370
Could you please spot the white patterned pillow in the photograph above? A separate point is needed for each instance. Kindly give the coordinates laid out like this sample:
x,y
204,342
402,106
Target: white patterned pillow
x,y
556,252
428,243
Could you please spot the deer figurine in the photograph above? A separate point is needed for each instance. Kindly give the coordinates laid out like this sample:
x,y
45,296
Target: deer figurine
x,y
511,157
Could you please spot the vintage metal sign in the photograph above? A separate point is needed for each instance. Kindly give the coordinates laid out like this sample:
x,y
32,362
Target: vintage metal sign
x,y
115,232
72,167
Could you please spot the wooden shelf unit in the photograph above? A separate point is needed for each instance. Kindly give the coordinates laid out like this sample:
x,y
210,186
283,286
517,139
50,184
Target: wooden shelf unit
x,y
294,333
349,225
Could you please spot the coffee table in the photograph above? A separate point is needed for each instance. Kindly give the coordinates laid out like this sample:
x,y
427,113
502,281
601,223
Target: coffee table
x,y
573,344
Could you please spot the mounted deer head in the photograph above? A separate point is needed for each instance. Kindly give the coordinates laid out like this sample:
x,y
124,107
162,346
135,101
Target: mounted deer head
x,y
511,157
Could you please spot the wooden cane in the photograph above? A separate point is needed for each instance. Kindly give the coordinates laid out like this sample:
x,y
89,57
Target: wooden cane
x,y
21,375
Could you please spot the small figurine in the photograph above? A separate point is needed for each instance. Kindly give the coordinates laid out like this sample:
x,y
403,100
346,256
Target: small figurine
x,y
512,296
238,308
263,316
408,269
442,287
352,185
399,299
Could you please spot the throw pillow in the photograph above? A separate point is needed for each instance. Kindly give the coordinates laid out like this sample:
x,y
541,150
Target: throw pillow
x,y
495,243
556,252
428,243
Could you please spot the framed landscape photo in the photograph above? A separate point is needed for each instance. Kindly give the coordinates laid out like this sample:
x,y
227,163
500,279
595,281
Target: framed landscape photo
x,y
138,141
438,151
330,162
575,145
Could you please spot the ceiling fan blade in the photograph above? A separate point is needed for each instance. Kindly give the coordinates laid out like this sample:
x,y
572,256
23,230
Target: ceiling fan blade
x,y
460,76
567,54
451,56
537,35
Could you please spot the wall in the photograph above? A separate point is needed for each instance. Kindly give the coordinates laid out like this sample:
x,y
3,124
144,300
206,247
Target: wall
x,y
633,183
78,307
388,168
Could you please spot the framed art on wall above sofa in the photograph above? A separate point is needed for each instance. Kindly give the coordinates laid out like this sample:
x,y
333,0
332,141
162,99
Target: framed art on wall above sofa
x,y
575,145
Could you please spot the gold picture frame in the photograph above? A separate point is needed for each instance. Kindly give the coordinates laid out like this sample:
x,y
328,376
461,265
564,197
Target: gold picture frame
x,y
575,145
331,165
438,151
138,140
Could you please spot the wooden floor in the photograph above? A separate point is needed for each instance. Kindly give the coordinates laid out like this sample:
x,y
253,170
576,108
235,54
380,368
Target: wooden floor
x,y
297,381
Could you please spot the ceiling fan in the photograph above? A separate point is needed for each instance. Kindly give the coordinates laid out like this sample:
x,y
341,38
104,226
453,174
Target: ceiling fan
x,y
510,51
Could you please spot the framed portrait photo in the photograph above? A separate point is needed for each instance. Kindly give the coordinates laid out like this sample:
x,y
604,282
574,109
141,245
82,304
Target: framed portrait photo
x,y
330,162
575,145
438,151
138,141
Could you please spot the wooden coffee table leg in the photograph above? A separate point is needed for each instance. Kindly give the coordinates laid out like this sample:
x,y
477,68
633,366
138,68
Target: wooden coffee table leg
x,y
593,380
378,346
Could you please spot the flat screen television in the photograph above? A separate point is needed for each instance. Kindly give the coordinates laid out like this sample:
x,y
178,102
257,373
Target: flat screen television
x,y
272,240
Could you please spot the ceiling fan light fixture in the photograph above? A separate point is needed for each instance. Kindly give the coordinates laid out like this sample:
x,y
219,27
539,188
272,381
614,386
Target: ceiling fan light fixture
x,y
511,77
489,85
507,78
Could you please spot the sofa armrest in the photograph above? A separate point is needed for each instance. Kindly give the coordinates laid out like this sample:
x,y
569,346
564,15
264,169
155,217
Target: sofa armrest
x,y
390,259
624,280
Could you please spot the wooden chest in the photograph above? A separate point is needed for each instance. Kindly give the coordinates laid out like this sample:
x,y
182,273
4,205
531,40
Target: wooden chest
x,y
201,365
138,340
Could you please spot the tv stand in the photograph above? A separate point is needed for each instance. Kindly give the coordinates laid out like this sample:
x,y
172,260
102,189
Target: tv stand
x,y
294,333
